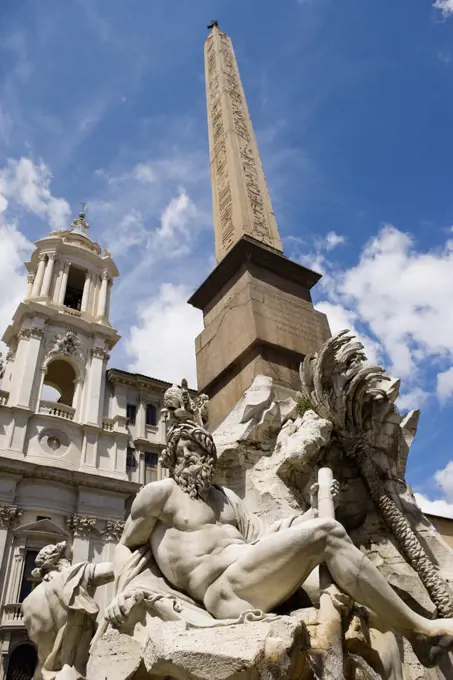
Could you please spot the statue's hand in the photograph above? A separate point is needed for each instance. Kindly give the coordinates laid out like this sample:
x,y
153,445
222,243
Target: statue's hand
x,y
335,492
314,490
121,606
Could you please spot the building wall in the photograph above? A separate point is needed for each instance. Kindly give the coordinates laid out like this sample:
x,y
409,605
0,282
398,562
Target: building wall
x,y
444,526
84,506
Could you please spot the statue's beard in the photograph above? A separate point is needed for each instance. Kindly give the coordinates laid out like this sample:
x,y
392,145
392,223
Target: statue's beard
x,y
193,474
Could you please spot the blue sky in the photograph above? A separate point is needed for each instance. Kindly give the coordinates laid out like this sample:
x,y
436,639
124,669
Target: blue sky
x,y
352,105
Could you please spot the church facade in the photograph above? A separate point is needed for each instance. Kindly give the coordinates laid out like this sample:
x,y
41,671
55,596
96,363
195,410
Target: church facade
x,y
77,439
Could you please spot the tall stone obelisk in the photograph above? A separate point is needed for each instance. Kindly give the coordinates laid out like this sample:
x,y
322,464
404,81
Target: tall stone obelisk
x,y
257,308
241,201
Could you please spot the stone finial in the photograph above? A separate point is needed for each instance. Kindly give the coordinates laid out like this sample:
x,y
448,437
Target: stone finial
x,y
79,224
214,24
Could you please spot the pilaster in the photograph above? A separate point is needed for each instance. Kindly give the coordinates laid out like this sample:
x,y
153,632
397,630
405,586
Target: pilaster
x,y
48,275
64,283
24,374
36,290
94,396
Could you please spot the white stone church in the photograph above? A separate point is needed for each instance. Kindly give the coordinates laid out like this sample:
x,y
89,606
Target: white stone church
x,y
77,440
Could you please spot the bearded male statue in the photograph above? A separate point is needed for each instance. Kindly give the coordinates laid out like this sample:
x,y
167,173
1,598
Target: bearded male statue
x,y
60,613
189,543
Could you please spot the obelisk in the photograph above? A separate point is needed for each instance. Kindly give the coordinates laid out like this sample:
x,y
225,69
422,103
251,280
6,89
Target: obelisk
x,y
257,308
241,201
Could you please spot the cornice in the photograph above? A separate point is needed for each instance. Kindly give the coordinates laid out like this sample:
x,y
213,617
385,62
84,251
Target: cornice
x,y
69,478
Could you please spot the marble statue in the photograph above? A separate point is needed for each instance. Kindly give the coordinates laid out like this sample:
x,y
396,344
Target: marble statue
x,y
60,613
249,560
210,549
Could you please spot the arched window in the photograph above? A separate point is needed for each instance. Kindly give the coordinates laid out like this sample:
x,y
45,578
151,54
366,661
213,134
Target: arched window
x,y
22,663
151,414
59,382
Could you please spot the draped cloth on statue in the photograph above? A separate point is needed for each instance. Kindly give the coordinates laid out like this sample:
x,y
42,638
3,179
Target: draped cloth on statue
x,y
142,574
60,616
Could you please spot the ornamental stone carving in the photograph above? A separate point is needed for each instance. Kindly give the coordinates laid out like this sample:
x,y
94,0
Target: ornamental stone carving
x,y
100,353
113,530
9,515
67,344
81,525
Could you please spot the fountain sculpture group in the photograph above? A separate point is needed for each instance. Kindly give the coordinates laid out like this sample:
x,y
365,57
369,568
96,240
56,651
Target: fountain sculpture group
x,y
286,544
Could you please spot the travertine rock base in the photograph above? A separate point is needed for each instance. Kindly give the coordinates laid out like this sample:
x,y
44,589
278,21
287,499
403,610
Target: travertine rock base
x,y
267,650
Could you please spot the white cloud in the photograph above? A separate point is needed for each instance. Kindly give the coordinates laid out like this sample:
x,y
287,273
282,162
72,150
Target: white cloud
x,y
130,232
444,479
445,6
393,301
445,384
412,399
333,240
28,185
174,234
162,344
15,249
440,506
437,507
144,172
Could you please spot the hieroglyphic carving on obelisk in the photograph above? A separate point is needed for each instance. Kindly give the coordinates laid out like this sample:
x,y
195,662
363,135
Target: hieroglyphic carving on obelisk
x,y
241,201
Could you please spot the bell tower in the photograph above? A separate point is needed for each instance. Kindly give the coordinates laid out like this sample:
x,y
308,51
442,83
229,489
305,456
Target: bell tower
x,y
60,336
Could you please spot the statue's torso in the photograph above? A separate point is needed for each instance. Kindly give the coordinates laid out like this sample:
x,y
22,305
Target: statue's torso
x,y
195,540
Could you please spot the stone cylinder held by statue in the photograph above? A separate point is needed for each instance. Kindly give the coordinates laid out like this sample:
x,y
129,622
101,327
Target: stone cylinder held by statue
x,y
326,507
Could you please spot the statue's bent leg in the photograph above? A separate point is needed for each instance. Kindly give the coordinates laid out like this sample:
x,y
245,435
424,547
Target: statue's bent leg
x,y
265,574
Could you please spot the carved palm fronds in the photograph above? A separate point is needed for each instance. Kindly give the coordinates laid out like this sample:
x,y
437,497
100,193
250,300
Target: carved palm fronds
x,y
358,398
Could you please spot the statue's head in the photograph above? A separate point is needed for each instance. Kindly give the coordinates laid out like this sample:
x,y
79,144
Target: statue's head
x,y
190,456
51,558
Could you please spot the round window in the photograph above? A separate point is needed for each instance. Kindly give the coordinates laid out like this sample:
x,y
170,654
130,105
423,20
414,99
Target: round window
x,y
54,443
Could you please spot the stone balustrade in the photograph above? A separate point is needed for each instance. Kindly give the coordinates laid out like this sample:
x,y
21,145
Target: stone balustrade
x,y
107,424
53,408
3,397
12,615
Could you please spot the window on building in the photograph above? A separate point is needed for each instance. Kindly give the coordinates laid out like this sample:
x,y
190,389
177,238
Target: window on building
x,y
151,414
151,460
131,413
131,461
28,582
74,288
22,663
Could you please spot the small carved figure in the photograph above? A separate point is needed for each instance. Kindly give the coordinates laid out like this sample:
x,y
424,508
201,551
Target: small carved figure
x,y
60,612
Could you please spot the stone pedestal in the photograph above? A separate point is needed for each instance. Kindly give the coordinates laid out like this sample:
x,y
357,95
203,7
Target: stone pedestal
x,y
259,319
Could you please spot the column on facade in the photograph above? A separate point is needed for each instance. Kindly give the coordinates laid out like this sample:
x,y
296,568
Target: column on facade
x,y
86,292
141,417
102,302
109,296
36,289
64,282
25,367
48,275
30,279
94,399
